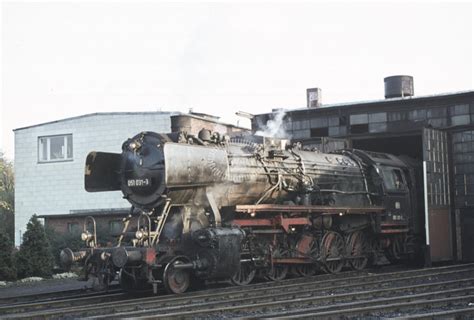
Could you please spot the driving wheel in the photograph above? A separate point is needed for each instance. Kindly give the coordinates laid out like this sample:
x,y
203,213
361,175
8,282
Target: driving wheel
x,y
176,280
332,252
278,272
244,276
306,269
356,248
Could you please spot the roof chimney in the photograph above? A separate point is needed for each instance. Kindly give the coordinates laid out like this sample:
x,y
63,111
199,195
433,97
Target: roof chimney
x,y
398,86
313,97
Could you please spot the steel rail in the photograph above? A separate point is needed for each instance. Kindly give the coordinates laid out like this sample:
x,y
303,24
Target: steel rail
x,y
443,314
79,300
372,306
323,277
52,295
256,291
238,305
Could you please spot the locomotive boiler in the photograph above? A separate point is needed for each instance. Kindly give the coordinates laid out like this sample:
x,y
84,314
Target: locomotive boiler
x,y
209,207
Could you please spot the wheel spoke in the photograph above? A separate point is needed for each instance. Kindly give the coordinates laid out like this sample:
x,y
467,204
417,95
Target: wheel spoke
x,y
278,272
244,276
176,280
394,251
306,270
308,248
357,249
332,252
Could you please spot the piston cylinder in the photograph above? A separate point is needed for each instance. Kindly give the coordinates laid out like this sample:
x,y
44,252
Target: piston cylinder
x,y
123,256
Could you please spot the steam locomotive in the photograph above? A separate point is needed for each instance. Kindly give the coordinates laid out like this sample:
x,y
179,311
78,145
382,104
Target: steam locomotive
x,y
210,207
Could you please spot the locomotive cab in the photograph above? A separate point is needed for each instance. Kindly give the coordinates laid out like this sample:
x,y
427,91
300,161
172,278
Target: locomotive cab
x,y
393,180
396,195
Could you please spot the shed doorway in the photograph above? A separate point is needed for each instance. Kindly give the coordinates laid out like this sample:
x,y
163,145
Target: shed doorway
x,y
430,152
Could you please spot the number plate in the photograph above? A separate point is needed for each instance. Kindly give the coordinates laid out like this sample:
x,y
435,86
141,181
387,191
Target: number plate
x,y
138,182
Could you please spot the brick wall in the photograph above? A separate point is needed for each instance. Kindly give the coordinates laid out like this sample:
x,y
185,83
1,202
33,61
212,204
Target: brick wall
x,y
60,224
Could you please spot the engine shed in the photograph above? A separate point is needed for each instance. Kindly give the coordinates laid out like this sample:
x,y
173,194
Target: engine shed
x,y
436,131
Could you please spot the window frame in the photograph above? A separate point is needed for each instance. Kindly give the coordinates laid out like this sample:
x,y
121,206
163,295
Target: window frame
x,y
73,227
48,148
116,222
392,170
319,132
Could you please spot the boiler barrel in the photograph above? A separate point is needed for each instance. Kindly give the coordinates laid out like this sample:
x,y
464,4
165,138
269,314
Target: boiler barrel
x,y
191,165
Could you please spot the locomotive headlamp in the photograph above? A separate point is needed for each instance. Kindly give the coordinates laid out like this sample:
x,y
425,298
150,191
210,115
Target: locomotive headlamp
x,y
139,234
134,145
86,235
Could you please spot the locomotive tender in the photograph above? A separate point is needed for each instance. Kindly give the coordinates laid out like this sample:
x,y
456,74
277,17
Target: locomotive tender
x,y
211,207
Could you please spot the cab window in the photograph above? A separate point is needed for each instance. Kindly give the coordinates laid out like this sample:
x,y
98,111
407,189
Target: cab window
x,y
393,179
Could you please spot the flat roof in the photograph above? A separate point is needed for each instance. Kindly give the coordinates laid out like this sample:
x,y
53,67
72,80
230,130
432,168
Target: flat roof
x,y
381,101
98,114
204,118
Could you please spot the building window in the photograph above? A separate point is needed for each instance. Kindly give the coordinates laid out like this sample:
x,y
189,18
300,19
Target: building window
x,y
55,148
319,132
359,128
115,227
73,227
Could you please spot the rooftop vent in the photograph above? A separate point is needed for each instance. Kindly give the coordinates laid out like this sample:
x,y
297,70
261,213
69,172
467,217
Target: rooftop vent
x,y
398,86
313,97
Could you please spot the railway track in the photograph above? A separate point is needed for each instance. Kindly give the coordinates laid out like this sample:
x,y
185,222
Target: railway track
x,y
54,295
54,300
23,303
349,294
322,301
391,306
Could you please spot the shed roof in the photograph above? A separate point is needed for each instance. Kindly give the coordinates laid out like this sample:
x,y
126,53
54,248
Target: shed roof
x,y
457,94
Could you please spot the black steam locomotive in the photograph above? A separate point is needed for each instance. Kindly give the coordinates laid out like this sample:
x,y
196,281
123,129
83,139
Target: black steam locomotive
x,y
210,207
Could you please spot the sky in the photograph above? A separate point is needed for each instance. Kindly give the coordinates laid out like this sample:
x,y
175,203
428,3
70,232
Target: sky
x,y
63,59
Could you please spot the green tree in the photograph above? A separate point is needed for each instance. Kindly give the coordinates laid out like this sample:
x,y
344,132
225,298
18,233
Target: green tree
x,y
60,241
7,191
34,257
7,266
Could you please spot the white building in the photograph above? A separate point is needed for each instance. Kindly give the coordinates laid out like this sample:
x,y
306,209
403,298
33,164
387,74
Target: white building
x,y
50,158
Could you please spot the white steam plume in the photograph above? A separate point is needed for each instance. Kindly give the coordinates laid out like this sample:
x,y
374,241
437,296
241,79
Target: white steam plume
x,y
274,128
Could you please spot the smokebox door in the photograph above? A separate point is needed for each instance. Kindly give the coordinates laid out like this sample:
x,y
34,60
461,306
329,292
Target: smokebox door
x,y
102,172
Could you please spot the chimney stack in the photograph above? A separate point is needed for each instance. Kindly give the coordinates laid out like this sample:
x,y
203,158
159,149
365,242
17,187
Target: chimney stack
x,y
313,97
